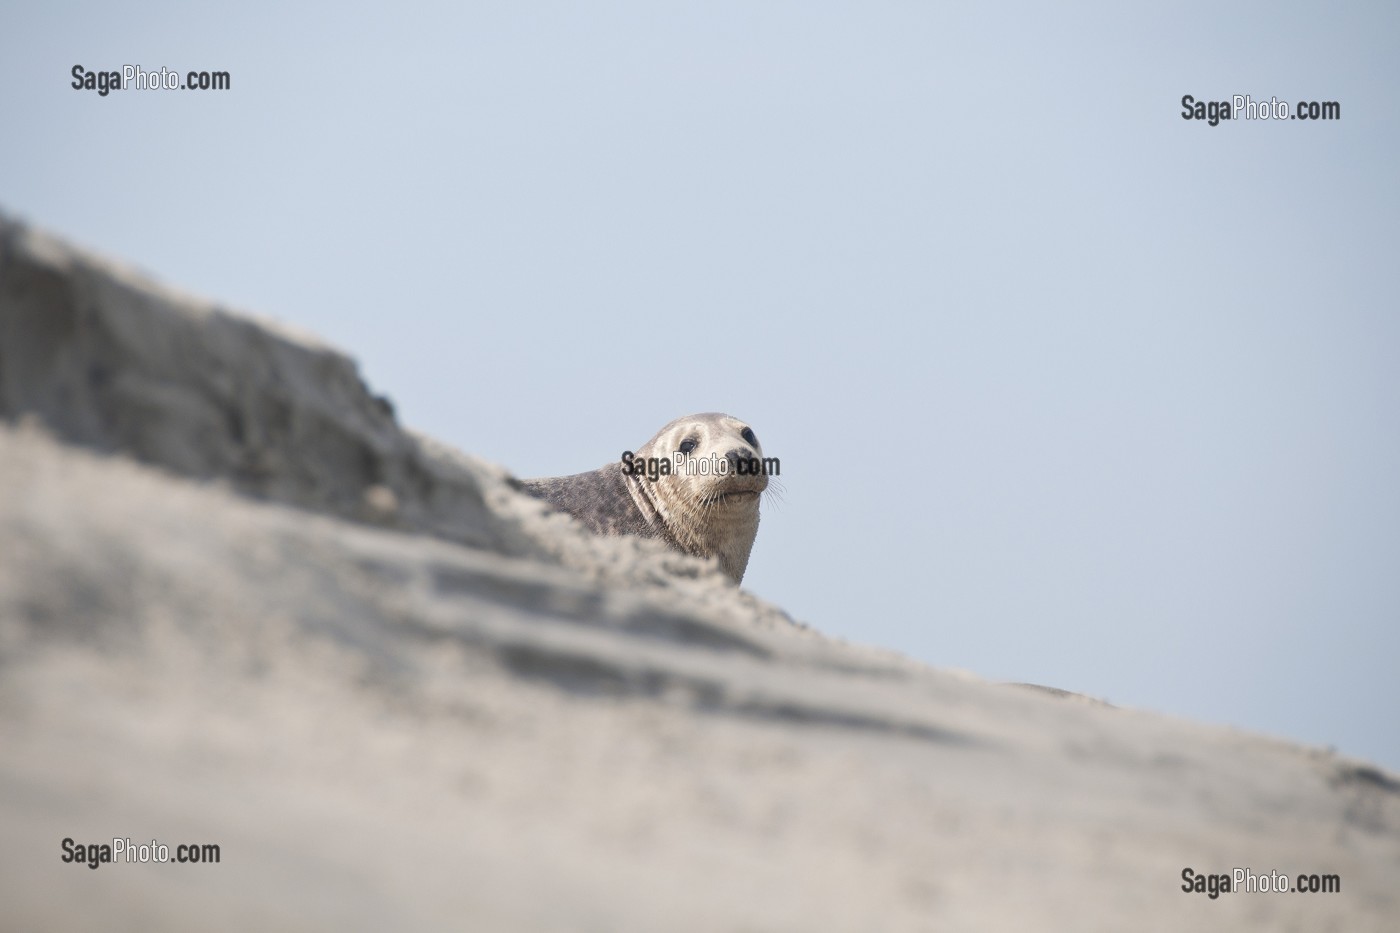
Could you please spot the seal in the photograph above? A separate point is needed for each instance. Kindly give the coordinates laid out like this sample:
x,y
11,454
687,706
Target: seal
x,y
675,488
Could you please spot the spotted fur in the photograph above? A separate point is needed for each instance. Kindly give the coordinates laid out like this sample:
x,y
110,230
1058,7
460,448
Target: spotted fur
x,y
705,516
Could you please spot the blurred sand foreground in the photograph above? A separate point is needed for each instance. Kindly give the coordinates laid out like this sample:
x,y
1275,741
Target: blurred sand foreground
x,y
240,605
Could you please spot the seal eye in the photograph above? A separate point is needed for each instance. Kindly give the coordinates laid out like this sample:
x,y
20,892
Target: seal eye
x,y
748,435
687,445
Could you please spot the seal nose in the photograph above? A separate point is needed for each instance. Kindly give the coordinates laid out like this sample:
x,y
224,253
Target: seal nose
x,y
738,455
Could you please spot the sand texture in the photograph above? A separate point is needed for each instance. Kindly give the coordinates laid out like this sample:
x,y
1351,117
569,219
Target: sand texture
x,y
239,604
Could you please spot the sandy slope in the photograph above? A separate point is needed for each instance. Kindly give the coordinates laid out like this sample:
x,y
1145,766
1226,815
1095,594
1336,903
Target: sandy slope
x,y
251,610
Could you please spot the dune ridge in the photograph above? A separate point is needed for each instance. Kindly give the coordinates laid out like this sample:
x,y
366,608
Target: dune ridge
x,y
241,605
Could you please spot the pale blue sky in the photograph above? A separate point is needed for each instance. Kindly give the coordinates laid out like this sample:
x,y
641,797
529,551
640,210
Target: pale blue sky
x,y
1066,389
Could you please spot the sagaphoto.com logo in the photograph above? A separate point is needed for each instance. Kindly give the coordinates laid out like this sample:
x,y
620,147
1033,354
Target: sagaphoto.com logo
x,y
1245,107
134,76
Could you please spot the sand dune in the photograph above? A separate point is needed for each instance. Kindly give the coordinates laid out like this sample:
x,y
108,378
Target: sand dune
x,y
240,605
